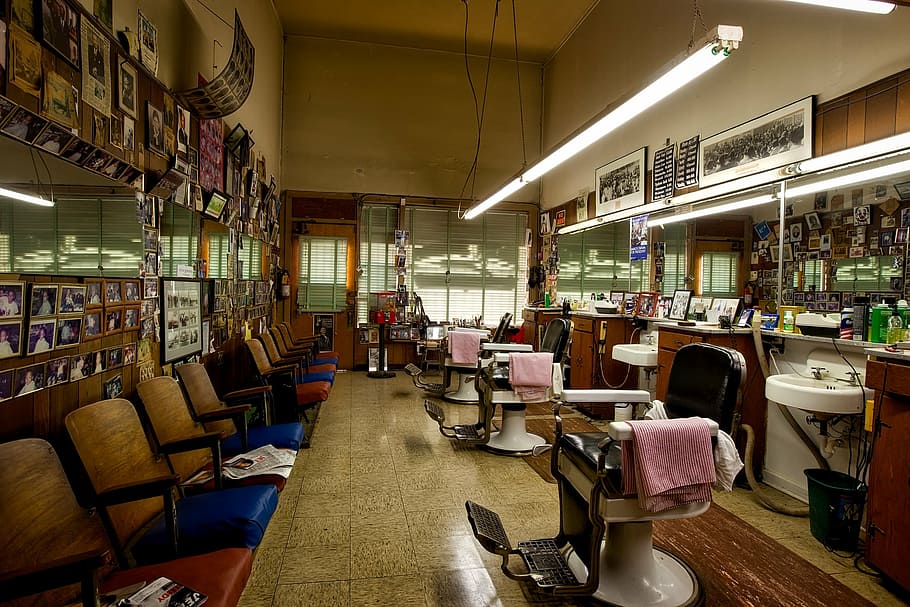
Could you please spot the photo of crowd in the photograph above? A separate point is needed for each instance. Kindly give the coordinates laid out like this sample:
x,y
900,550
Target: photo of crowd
x,y
620,182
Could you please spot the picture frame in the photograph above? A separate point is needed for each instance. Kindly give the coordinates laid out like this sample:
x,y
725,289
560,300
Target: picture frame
x,y
903,190
41,335
679,308
59,25
150,288
647,304
620,184
131,318
745,318
113,293
215,205
11,299
69,331
94,293
698,308
10,338
6,385
24,125
92,327
813,222
181,312
113,321
57,371
98,362
148,43
617,297
43,301
154,120
131,292
80,366
324,330
115,357
723,306
24,61
29,379
129,353
96,68
54,138
58,103
114,386
718,157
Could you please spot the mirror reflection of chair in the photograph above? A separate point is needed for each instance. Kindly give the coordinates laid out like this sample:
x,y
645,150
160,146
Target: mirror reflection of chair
x,y
495,388
432,352
462,363
604,546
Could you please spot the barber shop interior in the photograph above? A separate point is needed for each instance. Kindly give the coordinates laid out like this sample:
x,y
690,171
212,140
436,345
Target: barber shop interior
x,y
454,303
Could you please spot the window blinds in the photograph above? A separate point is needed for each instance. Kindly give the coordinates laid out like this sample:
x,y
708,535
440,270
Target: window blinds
x,y
597,261
674,259
322,275
179,239
377,254
719,274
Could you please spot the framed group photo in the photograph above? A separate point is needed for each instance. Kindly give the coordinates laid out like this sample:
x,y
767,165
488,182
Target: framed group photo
x,y
60,29
621,183
181,301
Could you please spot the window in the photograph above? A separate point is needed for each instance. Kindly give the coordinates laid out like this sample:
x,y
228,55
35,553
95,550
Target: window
x,y
674,259
812,275
377,253
250,254
597,261
322,276
79,236
719,274
865,274
218,255
179,239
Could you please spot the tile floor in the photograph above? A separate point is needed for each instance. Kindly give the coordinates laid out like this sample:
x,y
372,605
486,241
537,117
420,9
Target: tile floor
x,y
373,513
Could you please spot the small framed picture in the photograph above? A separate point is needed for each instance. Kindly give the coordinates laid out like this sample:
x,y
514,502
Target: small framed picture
x,y
129,354
131,291
69,330
44,300
155,128
29,379
114,386
60,29
150,239
11,299
91,326
131,318
98,362
150,288
113,295
126,98
113,321
80,366
680,306
6,384
72,299
115,357
150,263
745,317
148,308
647,303
94,293
57,372
10,334
24,125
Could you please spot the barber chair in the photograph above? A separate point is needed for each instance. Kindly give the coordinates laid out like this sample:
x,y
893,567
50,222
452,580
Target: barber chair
x,y
494,389
604,547
433,354
466,392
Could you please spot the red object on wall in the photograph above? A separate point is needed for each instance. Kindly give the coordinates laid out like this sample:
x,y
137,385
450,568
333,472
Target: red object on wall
x,y
380,317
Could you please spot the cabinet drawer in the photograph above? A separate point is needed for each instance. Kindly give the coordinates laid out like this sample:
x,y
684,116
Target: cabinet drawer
x,y
528,315
583,324
671,340
889,377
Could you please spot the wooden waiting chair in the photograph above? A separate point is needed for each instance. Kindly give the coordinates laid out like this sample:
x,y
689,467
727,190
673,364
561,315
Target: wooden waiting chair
x,y
309,372
292,398
207,408
116,455
320,356
50,542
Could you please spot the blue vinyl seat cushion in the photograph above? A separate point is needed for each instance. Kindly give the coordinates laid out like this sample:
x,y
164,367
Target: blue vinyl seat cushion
x,y
325,360
230,518
326,376
281,436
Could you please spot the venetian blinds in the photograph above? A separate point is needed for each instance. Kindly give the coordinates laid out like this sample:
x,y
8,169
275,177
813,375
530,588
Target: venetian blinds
x,y
597,261
719,274
251,256
179,239
322,274
218,255
674,236
377,254
866,274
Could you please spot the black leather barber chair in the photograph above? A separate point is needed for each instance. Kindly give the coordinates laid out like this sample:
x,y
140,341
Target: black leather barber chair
x,y
604,547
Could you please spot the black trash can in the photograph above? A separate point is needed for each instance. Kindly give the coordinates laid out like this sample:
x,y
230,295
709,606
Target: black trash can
x,y
836,503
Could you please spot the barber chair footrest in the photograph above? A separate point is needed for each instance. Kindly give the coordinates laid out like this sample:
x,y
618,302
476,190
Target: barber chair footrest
x,y
434,411
467,432
488,529
543,558
413,370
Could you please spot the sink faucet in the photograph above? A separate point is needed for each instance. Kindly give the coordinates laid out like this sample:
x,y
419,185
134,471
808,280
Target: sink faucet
x,y
817,372
650,337
852,379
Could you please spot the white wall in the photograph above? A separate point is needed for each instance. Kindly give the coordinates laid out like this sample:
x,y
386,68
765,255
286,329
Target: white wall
x,y
185,34
789,51
383,119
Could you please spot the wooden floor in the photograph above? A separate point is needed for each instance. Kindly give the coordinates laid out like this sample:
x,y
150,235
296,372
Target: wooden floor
x,y
373,515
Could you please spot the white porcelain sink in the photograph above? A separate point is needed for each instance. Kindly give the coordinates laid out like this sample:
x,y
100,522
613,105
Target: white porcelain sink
x,y
640,355
825,395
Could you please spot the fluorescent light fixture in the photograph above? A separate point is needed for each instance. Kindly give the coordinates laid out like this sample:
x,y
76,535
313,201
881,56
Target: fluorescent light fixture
x,y
834,183
711,210
722,41
583,225
867,151
26,198
863,6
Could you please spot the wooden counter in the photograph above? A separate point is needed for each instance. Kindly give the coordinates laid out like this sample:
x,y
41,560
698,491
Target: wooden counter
x,y
591,363
535,321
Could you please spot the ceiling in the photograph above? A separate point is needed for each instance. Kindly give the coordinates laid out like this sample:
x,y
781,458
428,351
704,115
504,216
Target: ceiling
x,y
542,25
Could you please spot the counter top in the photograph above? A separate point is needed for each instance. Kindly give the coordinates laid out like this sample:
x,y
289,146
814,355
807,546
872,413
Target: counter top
x,y
701,327
841,343
880,352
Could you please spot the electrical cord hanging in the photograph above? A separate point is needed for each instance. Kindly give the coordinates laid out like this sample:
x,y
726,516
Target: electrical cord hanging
x,y
521,112
696,15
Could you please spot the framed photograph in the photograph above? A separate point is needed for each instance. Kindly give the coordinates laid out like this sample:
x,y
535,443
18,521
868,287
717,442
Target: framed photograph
x,y
720,306
698,308
126,88
24,61
903,190
150,288
647,304
80,364
214,207
148,44
115,357
617,297
813,222
6,385
324,330
621,183
182,319
680,306
98,362
862,215
69,330
745,318
129,353
10,338
44,300
57,371
113,321
775,139
29,379
116,132
60,29
77,151
183,129
24,125
96,69
114,386
154,119
91,326
131,318
131,291
94,293
11,299
54,138
113,295
59,103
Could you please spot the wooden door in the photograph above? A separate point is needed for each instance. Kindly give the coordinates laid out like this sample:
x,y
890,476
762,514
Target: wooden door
x,y
581,360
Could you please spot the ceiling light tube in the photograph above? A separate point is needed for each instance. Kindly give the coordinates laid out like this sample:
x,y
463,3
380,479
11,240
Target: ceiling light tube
x,y
845,180
867,151
863,6
511,188
26,198
712,210
722,41
581,226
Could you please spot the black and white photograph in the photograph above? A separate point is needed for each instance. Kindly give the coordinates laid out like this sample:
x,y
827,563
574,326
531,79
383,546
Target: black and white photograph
x,y
113,387
11,299
150,263
154,120
150,239
621,183
796,232
182,319
126,98
183,129
60,29
96,68
57,372
324,330
862,215
680,306
889,221
113,321
130,318
148,43
112,292
69,331
903,190
10,334
44,300
821,201
775,139
80,366
149,288
29,379
905,217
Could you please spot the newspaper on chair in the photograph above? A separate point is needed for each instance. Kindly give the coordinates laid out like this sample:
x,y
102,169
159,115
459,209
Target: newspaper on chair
x,y
263,460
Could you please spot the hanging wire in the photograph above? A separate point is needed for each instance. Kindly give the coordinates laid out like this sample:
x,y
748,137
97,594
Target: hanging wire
x,y
219,17
521,112
696,17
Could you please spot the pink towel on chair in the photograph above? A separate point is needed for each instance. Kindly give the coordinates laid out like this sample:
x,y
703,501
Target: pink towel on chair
x,y
530,374
464,346
669,463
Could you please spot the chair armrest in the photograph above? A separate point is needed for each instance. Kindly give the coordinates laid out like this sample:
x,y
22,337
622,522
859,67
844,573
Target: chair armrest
x,y
224,413
623,431
245,392
202,441
280,369
606,396
52,574
139,490
488,347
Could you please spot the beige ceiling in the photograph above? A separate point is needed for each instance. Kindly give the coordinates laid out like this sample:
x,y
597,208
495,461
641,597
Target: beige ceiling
x,y
439,24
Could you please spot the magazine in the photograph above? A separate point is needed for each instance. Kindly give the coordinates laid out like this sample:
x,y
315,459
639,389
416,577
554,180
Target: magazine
x,y
264,460
165,592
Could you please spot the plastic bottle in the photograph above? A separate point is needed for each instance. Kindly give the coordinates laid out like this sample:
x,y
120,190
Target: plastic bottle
x,y
788,321
878,321
846,323
895,326
546,299
860,318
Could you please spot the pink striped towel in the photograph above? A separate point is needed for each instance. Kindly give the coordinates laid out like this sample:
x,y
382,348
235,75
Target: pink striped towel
x,y
464,346
669,463
530,374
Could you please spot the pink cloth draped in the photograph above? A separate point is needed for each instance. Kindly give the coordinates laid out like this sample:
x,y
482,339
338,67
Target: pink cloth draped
x,y
464,346
530,374
669,463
